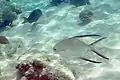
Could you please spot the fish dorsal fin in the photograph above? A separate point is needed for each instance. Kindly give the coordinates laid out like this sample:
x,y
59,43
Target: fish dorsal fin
x,y
80,37
89,35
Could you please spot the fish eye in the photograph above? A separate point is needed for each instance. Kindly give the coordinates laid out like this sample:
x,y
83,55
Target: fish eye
x,y
54,49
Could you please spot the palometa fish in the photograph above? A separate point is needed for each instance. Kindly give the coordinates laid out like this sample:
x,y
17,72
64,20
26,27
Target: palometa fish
x,y
73,47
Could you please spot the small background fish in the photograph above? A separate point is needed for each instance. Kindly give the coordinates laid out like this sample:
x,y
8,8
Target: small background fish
x,y
3,40
4,24
34,16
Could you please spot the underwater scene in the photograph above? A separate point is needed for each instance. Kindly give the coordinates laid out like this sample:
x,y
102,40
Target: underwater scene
x,y
59,39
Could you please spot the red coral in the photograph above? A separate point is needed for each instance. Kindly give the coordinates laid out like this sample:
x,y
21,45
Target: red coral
x,y
37,65
22,67
33,70
29,74
44,77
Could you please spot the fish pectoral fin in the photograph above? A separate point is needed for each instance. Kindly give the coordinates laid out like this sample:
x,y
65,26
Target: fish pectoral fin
x,y
89,60
99,54
98,40
89,35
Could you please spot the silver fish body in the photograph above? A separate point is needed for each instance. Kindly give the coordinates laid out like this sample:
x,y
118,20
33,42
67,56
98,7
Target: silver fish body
x,y
73,48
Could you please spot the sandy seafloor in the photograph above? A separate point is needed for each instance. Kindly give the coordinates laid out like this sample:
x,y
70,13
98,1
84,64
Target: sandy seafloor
x,y
61,22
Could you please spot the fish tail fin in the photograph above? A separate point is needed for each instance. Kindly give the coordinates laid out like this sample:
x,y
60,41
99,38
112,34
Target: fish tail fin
x,y
95,50
99,54
25,20
98,40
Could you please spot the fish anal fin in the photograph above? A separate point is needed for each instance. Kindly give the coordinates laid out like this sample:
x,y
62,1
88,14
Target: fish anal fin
x,y
89,60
